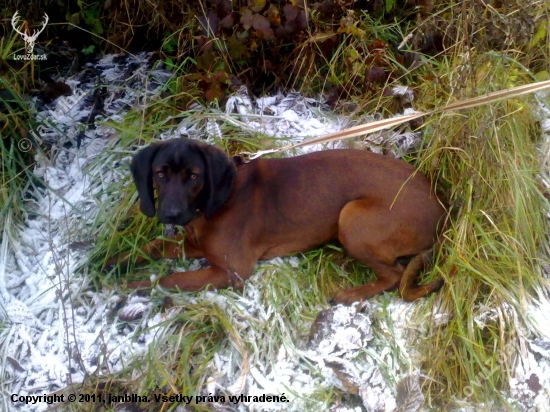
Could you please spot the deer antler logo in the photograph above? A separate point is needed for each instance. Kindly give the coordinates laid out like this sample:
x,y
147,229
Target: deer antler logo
x,y
30,40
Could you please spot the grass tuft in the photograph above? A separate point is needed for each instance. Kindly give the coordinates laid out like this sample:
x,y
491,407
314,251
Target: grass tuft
x,y
486,162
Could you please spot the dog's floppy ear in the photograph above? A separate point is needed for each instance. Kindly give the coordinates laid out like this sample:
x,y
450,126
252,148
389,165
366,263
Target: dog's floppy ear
x,y
143,178
220,174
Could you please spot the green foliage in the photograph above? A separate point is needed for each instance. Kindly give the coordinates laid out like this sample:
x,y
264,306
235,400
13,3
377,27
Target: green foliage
x,y
88,50
90,14
170,43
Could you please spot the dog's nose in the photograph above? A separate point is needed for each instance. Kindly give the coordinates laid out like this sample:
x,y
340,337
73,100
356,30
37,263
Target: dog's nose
x,y
173,213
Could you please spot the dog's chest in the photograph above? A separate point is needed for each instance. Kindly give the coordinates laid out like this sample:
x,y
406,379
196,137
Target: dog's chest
x,y
192,235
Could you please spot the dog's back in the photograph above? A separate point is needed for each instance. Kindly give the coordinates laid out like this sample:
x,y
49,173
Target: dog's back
x,y
297,201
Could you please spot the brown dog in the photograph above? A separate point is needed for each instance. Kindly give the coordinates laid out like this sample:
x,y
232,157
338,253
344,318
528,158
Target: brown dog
x,y
382,211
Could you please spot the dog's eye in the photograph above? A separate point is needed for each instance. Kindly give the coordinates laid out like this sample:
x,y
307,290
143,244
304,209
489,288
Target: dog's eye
x,y
193,176
160,175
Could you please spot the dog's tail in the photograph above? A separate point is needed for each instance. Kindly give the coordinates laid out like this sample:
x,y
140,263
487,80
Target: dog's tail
x,y
408,287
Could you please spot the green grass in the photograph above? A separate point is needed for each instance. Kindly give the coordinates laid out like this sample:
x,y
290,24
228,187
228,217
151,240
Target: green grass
x,y
17,145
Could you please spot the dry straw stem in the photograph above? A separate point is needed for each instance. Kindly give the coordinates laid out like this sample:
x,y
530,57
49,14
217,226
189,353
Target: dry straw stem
x,y
373,127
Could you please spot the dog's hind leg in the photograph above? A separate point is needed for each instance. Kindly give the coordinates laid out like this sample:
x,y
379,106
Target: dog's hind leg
x,y
363,231
381,238
387,279
408,288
